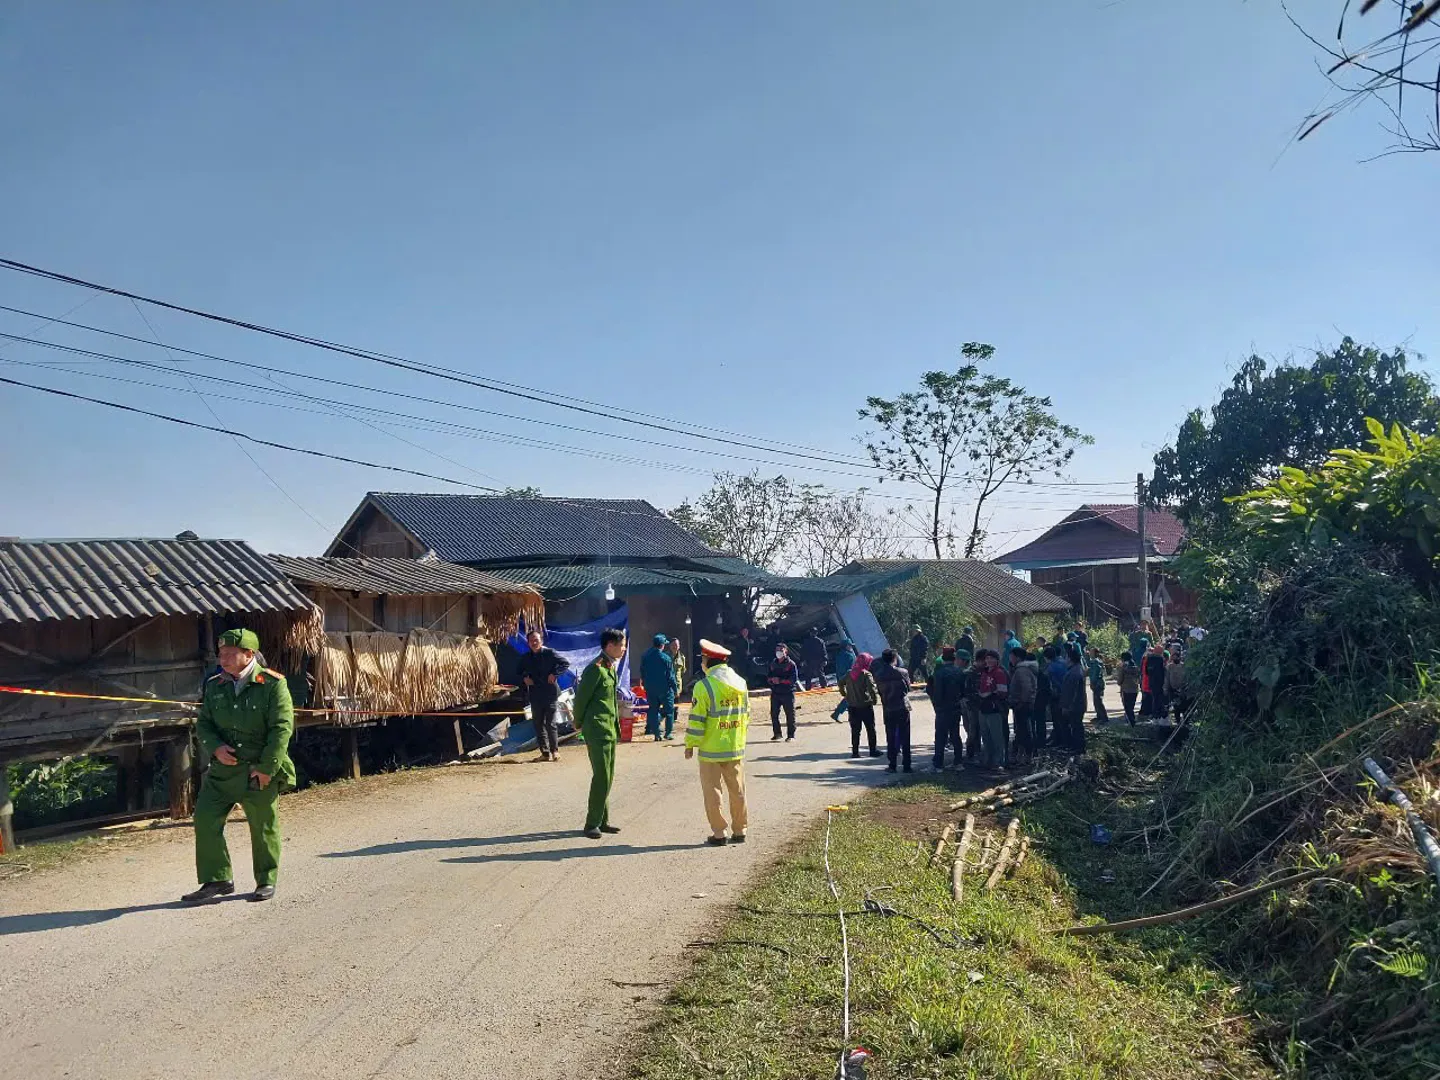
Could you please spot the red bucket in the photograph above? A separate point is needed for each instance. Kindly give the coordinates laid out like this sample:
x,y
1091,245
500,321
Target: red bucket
x,y
627,728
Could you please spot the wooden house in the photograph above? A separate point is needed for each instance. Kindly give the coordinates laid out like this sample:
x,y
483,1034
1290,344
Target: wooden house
x,y
131,619
407,636
1092,559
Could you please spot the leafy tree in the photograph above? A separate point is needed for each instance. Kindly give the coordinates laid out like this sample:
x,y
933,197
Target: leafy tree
x,y
1292,415
940,609
520,493
841,529
967,420
758,519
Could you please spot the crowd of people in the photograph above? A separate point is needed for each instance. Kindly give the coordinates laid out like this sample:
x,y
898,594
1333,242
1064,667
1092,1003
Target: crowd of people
x,y
993,707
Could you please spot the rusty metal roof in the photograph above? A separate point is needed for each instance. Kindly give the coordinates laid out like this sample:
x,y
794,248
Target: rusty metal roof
x,y
395,577
116,579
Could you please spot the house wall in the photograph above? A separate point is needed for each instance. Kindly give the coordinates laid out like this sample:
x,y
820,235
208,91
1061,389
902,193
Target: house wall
x,y
362,612
1103,593
163,658
376,535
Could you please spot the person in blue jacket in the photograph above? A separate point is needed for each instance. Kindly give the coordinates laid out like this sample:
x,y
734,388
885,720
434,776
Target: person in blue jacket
x,y
657,675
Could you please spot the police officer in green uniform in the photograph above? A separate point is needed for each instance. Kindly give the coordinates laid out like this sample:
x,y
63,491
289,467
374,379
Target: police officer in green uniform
x,y
245,723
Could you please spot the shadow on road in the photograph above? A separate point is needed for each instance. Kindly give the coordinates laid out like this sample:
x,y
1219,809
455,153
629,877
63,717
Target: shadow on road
x,y
61,920
574,853
399,847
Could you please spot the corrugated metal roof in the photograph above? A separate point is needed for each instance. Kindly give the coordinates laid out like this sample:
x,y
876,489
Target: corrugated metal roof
x,y
111,579
394,577
574,579
1100,532
988,589
492,529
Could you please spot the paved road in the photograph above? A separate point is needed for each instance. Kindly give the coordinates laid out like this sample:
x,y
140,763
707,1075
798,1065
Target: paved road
x,y
426,927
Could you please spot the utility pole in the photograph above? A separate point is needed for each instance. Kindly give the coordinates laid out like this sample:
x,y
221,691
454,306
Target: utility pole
x,y
1140,528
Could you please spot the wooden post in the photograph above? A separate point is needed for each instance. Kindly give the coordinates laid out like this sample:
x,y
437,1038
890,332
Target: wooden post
x,y
128,781
182,777
352,752
459,739
7,813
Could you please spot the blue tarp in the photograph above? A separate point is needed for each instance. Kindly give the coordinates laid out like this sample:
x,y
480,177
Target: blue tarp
x,y
581,644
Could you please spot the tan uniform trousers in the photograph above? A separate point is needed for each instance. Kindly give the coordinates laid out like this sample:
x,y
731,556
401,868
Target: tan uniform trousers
x,y
731,774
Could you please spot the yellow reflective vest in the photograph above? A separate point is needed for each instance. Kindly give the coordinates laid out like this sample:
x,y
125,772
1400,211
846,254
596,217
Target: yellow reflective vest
x,y
719,715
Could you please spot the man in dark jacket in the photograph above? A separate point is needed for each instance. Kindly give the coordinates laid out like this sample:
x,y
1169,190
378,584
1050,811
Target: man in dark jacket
x,y
1054,669
1072,702
1024,687
814,654
782,677
894,684
966,643
970,709
919,652
946,688
540,671
740,651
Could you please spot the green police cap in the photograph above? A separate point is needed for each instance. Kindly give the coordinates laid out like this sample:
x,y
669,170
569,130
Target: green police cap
x,y
241,639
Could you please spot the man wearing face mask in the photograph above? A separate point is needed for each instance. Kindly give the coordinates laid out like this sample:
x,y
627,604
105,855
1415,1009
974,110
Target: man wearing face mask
x,y
244,726
782,677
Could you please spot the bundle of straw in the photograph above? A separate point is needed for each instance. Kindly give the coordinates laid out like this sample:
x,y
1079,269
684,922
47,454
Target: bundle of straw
x,y
334,670
379,661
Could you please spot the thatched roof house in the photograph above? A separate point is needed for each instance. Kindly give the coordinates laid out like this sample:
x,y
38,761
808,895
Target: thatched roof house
x,y
407,635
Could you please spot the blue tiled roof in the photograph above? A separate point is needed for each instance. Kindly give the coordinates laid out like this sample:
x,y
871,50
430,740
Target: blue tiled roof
x,y
494,529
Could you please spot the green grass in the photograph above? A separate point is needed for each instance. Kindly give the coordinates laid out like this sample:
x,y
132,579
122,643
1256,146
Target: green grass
x,y
1011,1001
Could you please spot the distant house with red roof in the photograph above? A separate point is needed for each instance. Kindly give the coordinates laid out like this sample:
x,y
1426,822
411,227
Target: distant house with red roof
x,y
1092,559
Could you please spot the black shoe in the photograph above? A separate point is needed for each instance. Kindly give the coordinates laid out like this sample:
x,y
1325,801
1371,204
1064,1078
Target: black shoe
x,y
211,890
261,893
592,834
907,769
876,753
738,838
611,829
889,768
854,753
716,841
544,755
790,738
775,738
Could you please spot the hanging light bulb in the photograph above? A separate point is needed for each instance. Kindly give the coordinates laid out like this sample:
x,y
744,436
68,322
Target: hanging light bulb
x,y
719,619
609,592
687,619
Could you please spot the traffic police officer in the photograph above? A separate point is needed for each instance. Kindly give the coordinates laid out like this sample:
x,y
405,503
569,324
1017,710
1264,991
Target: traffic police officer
x,y
719,719
245,723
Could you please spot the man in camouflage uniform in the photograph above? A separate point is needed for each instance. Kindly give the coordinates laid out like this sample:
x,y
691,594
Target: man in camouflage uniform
x,y
244,727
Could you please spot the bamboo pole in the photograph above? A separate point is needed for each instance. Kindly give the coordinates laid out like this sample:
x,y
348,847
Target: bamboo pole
x,y
986,851
1198,909
940,844
1007,851
1424,841
1001,789
1024,850
1022,797
957,871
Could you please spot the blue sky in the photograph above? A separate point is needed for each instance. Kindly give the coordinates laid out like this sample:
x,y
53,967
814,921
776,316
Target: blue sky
x,y
745,215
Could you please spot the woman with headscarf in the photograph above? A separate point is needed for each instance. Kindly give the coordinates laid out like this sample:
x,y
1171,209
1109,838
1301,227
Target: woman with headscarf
x,y
862,695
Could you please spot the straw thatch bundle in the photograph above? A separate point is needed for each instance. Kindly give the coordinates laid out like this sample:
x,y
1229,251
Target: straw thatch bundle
x,y
499,614
294,634
379,661
423,671
334,670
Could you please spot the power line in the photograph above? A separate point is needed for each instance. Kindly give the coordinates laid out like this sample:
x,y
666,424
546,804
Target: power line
x,y
1057,484
437,371
243,435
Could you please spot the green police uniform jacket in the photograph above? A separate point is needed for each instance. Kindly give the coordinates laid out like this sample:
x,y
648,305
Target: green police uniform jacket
x,y
256,723
597,707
